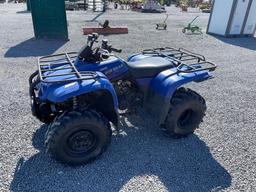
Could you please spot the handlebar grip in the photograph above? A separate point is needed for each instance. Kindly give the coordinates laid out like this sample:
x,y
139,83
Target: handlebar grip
x,y
116,50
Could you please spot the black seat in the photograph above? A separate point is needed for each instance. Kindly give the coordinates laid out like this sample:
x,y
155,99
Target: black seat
x,y
149,66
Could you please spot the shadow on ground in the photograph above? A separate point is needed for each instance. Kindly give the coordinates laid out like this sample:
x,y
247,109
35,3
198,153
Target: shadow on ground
x,y
94,19
245,42
180,165
22,12
33,47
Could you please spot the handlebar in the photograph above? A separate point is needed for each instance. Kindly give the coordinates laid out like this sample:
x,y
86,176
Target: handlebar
x,y
92,38
93,55
116,50
108,47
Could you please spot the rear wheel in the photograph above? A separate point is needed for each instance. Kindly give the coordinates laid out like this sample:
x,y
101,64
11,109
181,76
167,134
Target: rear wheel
x,y
184,30
186,113
78,137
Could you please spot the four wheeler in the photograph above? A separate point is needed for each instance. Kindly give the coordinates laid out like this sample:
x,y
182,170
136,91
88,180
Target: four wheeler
x,y
191,27
162,25
79,94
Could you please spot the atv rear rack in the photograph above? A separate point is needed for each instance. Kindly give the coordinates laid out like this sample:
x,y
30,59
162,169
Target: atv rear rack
x,y
52,63
183,58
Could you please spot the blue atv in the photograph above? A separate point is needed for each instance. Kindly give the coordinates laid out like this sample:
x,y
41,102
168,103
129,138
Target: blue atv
x,y
79,94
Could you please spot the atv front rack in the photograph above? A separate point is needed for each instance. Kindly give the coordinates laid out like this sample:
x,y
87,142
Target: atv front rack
x,y
64,61
184,60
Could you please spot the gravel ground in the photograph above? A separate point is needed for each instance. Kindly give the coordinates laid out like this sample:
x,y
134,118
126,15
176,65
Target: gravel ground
x,y
219,157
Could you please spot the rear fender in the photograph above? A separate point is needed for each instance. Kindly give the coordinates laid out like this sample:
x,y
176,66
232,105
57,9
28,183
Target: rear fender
x,y
164,85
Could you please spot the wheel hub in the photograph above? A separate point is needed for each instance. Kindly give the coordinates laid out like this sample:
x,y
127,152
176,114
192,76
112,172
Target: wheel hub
x,y
81,141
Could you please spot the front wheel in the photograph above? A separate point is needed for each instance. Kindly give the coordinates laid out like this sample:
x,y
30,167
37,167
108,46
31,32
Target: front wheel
x,y
78,137
184,30
185,114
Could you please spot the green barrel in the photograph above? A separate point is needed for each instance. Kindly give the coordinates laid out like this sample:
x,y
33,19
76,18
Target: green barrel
x,y
49,19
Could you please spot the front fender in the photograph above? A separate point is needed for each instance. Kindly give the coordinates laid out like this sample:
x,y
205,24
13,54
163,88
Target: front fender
x,y
60,92
164,85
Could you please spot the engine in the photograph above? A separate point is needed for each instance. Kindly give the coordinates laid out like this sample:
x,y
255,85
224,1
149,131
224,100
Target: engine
x,y
129,95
